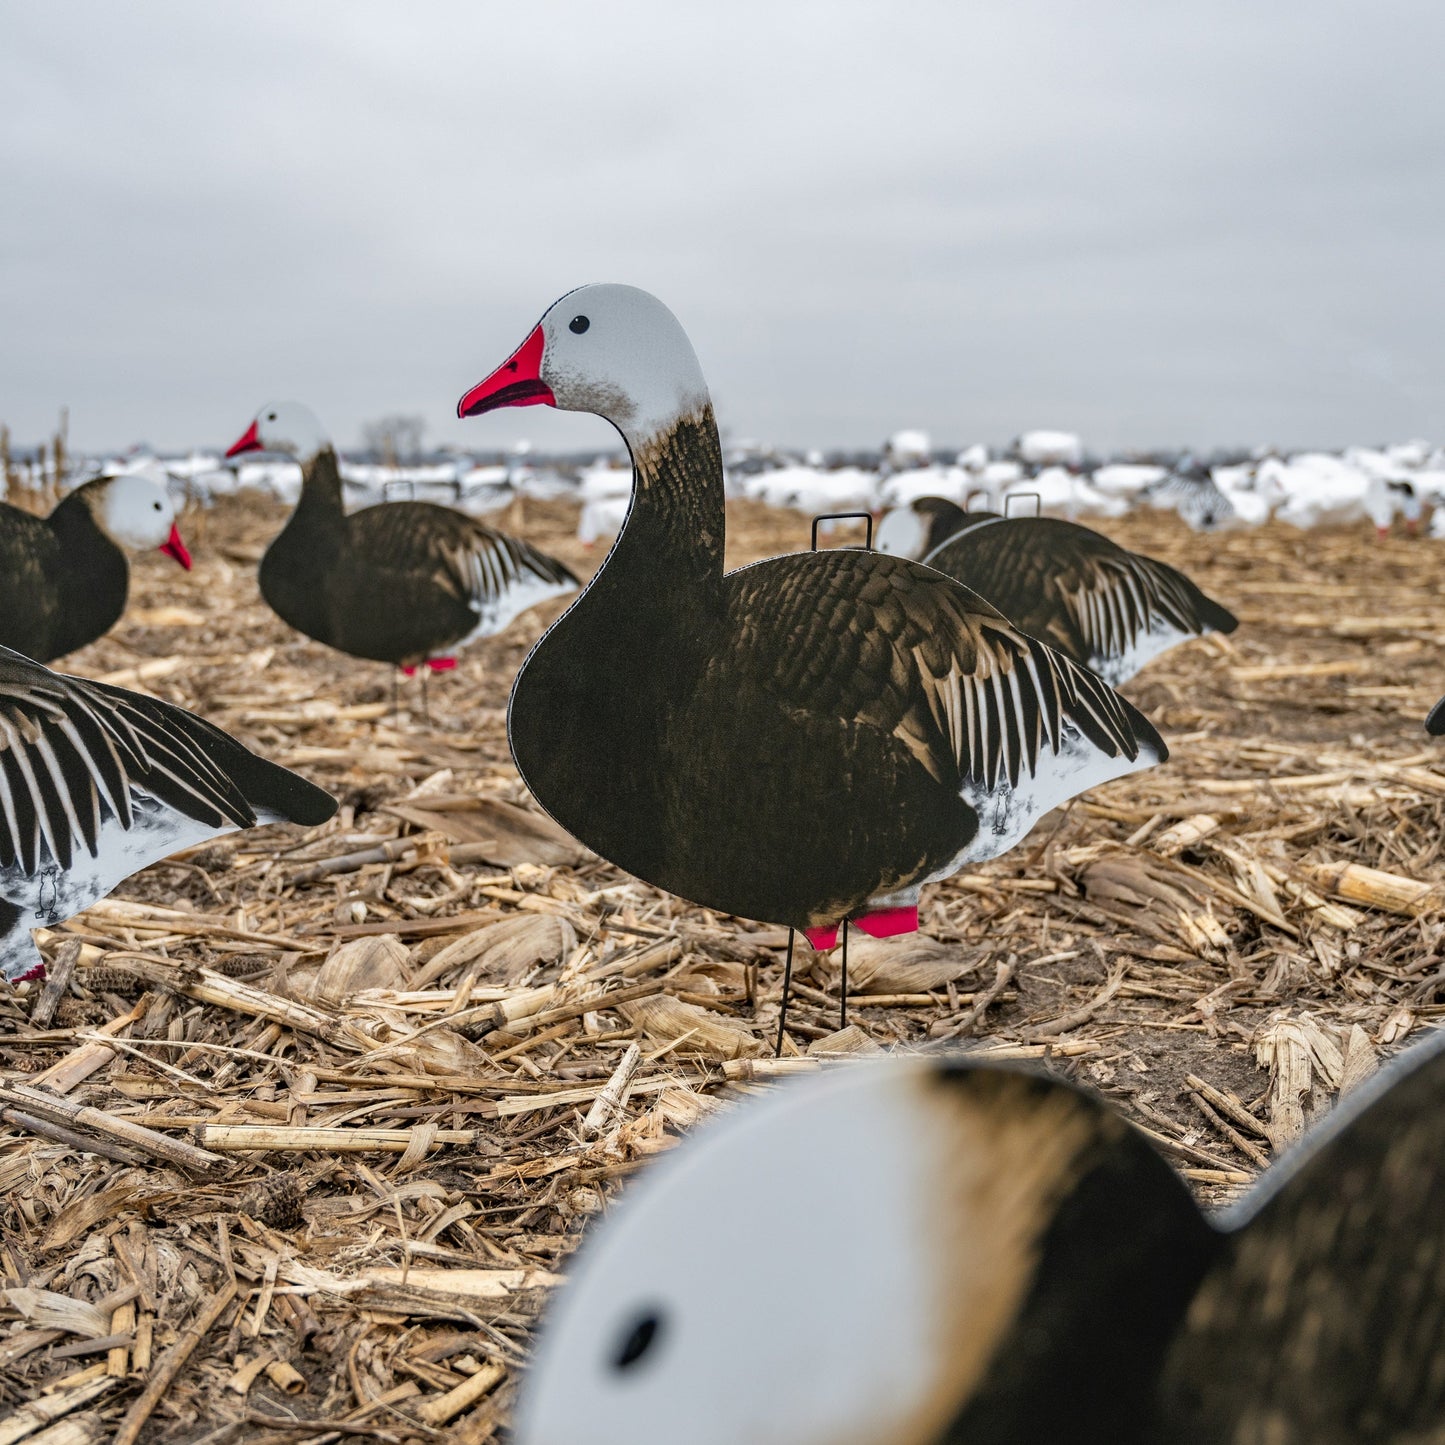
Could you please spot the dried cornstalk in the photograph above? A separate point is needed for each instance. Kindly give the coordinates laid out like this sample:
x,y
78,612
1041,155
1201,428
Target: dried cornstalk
x,y
671,1020
243,1138
611,1100
526,1010
50,1408
1185,834
170,1365
381,853
57,1109
1083,1014
76,1067
215,988
1372,886
57,981
464,1396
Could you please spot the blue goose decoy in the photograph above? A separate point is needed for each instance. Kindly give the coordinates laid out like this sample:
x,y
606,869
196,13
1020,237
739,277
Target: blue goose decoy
x,y
804,741
97,783
1106,607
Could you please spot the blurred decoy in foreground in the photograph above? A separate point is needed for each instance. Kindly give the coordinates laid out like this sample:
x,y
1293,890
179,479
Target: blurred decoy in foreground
x,y
980,1256
64,578
1435,722
97,783
807,740
1322,1319
1106,607
409,583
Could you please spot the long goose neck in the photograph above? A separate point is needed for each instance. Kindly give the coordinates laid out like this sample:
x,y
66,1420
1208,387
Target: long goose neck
x,y
94,575
92,556
320,483
675,528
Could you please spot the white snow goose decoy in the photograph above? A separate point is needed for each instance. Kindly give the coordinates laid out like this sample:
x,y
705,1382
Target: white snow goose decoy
x,y
403,582
64,578
914,528
97,783
803,741
1111,609
1034,1271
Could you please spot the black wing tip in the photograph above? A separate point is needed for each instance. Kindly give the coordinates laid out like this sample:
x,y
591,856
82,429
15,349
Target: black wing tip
x,y
1218,618
270,788
304,803
543,564
257,784
1146,736
1435,723
563,573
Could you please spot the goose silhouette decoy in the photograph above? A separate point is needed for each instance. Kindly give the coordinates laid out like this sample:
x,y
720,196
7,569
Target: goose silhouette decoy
x,y
409,583
804,741
1192,492
914,529
97,783
1106,607
1435,720
992,1257
64,578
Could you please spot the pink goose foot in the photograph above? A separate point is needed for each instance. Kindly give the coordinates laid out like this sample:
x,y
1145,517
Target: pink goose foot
x,y
881,923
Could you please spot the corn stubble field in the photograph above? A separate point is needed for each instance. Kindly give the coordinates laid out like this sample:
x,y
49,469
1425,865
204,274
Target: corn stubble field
x,y
361,1090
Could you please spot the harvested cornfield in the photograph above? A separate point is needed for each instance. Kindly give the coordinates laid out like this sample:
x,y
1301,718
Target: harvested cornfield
x,y
300,1134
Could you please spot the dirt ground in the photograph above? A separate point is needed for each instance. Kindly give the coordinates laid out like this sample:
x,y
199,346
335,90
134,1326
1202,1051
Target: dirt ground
x,y
405,1041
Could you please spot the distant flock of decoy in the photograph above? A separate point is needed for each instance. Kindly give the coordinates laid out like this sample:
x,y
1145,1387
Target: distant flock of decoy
x,y
806,742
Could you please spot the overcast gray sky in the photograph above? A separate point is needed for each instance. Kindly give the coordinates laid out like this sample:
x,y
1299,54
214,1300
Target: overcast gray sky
x,y
1152,223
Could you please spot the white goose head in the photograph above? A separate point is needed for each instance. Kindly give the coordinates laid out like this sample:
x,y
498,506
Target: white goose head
x,y
842,1262
136,511
612,350
283,426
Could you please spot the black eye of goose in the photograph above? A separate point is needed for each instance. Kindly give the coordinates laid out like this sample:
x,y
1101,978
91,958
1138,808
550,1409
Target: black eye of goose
x,y
579,324
156,505
638,1340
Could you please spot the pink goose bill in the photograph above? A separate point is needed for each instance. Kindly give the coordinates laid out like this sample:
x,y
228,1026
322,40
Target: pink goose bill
x,y
174,547
248,442
516,382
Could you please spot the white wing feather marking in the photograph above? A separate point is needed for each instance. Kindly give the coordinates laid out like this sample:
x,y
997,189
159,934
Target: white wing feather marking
x,y
1021,704
82,786
500,578
1123,603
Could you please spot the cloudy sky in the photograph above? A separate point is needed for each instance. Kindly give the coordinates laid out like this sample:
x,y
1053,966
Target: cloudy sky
x,y
1151,223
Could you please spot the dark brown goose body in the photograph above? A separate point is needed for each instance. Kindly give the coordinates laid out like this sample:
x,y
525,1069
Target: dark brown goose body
x,y
777,742
401,582
1107,608
1323,1322
63,582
